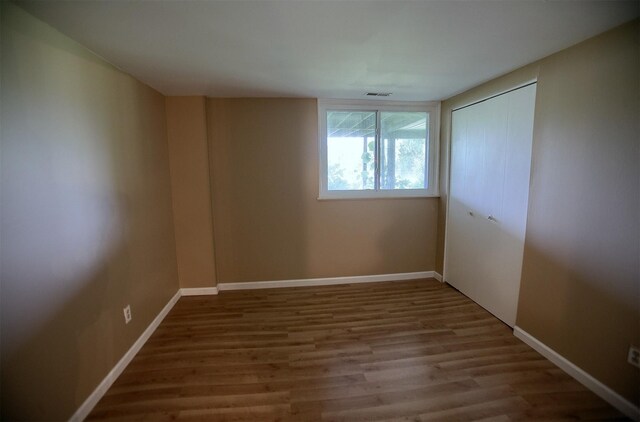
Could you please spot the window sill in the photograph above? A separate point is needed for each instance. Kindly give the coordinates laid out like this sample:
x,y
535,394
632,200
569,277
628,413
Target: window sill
x,y
368,196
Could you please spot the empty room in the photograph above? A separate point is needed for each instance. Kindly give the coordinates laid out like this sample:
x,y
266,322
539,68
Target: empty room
x,y
320,210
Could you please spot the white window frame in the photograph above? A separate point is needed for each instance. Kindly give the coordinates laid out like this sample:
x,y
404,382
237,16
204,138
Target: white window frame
x,y
432,108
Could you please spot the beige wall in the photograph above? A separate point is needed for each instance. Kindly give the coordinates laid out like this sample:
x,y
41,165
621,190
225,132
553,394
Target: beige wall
x,y
580,289
269,224
189,162
86,218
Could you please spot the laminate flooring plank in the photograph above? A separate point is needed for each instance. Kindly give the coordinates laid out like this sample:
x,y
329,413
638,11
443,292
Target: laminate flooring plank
x,y
397,351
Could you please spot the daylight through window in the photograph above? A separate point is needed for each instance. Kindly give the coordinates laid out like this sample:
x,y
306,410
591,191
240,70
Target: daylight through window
x,y
377,152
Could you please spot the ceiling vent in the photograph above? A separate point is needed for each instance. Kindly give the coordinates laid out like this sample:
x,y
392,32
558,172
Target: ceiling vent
x,y
378,94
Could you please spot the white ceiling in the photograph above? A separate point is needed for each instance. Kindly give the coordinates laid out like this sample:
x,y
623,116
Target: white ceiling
x,y
418,50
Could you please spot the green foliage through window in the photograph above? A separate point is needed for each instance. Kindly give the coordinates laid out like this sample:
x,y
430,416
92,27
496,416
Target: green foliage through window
x,y
358,160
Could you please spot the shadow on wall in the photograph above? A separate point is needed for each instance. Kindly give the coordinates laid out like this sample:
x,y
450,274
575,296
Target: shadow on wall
x,y
86,218
268,221
589,317
51,370
258,163
400,245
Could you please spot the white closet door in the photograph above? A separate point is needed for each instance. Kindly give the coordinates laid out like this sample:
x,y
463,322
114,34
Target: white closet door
x,y
488,197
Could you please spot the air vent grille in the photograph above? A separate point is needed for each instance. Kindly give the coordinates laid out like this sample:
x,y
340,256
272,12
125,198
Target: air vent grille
x,y
378,94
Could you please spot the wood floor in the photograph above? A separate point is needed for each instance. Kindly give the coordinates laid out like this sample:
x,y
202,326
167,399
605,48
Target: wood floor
x,y
405,351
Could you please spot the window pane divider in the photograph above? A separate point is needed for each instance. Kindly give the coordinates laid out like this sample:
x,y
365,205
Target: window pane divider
x,y
378,155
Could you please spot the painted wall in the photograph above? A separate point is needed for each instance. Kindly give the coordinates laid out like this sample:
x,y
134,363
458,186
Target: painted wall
x,y
86,218
269,224
580,289
189,162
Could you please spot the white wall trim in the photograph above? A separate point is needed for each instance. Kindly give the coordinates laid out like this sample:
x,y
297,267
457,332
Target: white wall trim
x,y
437,276
87,406
606,393
198,291
497,93
250,285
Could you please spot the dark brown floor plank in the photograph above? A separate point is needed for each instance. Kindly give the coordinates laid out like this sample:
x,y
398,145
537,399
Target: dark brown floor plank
x,y
402,351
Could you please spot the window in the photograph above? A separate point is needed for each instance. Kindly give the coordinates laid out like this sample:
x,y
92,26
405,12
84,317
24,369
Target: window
x,y
377,150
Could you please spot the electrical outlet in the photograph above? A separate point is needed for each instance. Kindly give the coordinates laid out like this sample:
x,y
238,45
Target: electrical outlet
x,y
634,356
127,314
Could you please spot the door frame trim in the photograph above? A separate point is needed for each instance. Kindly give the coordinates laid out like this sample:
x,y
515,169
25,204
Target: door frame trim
x,y
497,94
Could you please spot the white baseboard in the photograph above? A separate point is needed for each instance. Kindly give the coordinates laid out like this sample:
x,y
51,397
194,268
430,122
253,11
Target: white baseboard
x,y
251,285
198,291
437,276
87,406
606,393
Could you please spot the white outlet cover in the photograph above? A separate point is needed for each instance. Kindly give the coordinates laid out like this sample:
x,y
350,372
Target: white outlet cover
x,y
127,314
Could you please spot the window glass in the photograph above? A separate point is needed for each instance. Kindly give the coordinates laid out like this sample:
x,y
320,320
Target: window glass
x,y
403,152
351,150
374,149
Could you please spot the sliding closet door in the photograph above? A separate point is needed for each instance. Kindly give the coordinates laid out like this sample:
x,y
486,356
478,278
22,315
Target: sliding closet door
x,y
488,196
